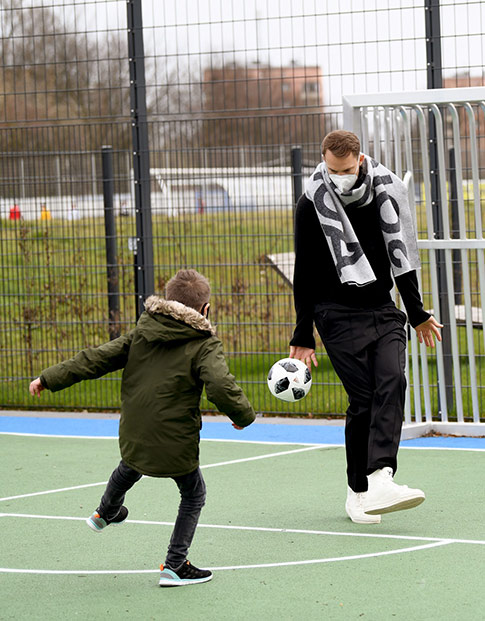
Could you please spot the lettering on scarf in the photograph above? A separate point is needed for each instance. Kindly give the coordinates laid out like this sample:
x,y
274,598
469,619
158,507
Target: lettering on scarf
x,y
379,184
336,235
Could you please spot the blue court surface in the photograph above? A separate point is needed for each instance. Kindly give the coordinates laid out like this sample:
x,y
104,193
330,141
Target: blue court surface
x,y
291,432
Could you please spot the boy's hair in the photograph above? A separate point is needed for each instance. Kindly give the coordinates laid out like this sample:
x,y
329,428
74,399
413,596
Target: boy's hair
x,y
189,288
341,143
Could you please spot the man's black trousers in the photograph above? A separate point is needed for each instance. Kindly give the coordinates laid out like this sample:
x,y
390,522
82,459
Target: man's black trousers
x,y
367,349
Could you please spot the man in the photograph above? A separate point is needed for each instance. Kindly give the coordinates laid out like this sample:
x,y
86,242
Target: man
x,y
353,229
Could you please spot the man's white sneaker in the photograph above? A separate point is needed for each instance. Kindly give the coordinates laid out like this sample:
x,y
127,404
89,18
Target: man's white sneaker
x,y
354,506
384,496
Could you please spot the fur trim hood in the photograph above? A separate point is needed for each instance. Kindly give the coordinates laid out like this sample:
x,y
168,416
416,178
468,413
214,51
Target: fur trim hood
x,y
156,305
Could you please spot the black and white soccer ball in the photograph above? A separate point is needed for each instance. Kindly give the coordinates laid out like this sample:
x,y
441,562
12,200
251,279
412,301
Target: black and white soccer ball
x,y
289,379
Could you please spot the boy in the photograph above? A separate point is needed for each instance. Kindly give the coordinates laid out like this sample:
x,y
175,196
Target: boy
x,y
168,358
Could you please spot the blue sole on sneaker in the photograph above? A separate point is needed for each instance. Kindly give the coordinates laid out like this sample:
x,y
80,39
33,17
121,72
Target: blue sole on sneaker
x,y
97,523
170,582
169,578
92,525
97,529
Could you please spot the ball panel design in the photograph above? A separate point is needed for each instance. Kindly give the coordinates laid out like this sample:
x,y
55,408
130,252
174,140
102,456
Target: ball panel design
x,y
281,385
298,393
289,379
290,367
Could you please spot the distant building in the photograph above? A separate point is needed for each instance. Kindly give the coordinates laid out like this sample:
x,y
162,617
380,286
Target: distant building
x,y
262,105
464,79
262,87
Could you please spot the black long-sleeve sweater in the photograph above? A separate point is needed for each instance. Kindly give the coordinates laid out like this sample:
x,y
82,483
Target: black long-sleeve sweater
x,y
316,280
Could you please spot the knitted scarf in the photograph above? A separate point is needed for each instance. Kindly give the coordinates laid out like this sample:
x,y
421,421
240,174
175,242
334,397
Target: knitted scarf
x,y
395,218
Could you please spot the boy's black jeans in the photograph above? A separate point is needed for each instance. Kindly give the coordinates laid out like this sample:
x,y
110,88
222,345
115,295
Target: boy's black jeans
x,y
192,491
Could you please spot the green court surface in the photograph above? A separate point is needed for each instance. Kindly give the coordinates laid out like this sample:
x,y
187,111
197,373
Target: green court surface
x,y
274,530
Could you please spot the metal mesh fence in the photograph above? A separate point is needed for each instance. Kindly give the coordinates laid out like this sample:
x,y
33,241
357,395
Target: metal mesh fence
x,y
230,89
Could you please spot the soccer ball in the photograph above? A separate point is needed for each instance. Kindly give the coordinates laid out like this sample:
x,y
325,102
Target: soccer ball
x,y
289,379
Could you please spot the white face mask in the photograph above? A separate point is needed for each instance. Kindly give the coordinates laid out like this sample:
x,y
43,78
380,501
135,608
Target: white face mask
x,y
344,182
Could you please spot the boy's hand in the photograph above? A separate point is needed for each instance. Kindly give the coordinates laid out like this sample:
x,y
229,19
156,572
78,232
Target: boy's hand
x,y
36,387
305,354
427,330
237,426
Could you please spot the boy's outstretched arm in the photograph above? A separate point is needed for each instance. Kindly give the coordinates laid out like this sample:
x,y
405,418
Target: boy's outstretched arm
x,y
88,364
220,385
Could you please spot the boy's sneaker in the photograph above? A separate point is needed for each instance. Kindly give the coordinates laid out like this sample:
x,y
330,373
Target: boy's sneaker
x,y
97,522
185,574
384,496
354,506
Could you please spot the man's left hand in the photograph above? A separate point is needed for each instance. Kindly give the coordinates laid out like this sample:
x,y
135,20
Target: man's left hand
x,y
427,330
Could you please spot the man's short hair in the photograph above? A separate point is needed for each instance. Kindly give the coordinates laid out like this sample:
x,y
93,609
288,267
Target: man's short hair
x,y
189,288
341,142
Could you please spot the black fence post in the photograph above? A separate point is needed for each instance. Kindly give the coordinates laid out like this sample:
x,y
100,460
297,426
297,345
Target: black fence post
x,y
296,174
141,155
110,239
435,80
455,229
137,275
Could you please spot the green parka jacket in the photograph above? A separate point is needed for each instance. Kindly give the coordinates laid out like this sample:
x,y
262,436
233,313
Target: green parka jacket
x,y
167,359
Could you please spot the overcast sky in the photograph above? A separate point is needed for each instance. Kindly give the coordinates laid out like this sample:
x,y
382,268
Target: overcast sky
x,y
360,46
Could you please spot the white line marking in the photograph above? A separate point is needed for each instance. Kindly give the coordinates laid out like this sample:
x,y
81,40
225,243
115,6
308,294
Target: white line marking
x,y
263,529
441,448
272,442
51,435
336,559
53,491
266,456
323,445
222,463
46,517
236,441
443,542
7,570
